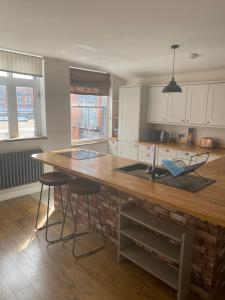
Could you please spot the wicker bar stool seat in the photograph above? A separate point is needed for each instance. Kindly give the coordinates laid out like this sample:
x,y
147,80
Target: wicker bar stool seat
x,y
83,188
51,179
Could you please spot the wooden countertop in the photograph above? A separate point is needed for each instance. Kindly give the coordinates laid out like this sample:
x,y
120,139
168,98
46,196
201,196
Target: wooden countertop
x,y
207,204
184,147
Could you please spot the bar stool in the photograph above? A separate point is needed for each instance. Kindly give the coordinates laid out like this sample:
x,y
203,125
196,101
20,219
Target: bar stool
x,y
83,187
51,179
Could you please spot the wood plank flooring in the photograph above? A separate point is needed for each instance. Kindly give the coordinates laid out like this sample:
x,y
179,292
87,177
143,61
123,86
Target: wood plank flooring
x,y
31,271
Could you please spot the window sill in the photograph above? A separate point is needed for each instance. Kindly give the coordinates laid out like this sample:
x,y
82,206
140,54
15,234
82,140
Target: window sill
x,y
88,142
24,139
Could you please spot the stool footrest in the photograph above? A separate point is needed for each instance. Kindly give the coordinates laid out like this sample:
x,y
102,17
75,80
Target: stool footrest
x,y
44,227
63,239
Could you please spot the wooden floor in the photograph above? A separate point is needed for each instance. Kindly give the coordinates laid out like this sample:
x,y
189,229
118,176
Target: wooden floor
x,y
31,271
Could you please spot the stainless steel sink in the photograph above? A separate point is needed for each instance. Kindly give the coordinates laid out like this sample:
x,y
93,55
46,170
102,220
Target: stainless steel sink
x,y
142,170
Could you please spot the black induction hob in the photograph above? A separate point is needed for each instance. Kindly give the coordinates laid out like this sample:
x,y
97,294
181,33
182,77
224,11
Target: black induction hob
x,y
81,154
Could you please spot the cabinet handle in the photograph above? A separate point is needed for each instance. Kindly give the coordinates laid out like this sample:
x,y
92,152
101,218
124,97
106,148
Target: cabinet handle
x,y
186,153
167,150
208,122
187,121
148,155
182,121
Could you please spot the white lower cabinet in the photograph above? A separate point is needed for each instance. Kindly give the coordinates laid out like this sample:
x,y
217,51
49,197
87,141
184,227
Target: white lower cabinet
x,y
128,149
166,153
145,153
113,148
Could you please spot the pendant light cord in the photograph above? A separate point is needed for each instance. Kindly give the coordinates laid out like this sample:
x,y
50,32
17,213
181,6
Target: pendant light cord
x,y
173,60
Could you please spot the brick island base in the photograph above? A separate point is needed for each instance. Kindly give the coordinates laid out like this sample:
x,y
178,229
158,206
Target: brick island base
x,y
208,267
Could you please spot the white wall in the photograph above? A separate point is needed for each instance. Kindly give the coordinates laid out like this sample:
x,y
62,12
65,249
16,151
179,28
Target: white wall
x,y
216,75
218,134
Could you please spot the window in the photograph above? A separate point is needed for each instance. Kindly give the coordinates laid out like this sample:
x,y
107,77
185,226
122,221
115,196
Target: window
x,y
88,116
19,105
4,130
25,111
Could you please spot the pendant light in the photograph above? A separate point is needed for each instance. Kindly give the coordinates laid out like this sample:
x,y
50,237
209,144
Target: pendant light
x,y
173,87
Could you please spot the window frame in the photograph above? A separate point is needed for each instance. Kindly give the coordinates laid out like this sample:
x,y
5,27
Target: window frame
x,y
106,123
11,84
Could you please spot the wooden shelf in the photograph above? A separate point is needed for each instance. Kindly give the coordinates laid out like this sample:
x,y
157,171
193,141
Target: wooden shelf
x,y
155,223
152,265
152,241
143,234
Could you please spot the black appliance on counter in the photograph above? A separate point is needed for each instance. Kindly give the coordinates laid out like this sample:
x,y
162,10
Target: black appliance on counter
x,y
159,136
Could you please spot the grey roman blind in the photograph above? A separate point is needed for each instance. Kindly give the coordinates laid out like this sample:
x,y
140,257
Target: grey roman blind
x,y
21,63
87,82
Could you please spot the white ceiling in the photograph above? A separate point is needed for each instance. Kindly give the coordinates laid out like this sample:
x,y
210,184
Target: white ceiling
x,y
130,38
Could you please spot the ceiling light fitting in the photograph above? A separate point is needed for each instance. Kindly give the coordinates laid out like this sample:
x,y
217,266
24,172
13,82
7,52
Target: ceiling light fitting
x,y
173,87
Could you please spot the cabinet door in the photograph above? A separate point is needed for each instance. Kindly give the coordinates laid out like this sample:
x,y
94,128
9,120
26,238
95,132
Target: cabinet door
x,y
157,105
166,153
216,105
113,148
145,153
177,106
129,113
127,150
197,99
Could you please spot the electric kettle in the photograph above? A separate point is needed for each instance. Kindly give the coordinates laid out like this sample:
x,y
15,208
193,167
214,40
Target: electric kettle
x,y
164,137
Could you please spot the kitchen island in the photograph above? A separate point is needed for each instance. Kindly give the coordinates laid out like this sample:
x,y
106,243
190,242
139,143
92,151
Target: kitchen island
x,y
204,210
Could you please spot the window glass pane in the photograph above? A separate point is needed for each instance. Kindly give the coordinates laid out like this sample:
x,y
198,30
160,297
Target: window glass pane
x,y
4,128
22,76
25,111
88,114
3,74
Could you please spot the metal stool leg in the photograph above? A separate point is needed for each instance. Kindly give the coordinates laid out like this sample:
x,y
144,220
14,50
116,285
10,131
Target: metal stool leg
x,y
75,224
69,236
88,209
76,235
38,213
64,215
74,216
100,219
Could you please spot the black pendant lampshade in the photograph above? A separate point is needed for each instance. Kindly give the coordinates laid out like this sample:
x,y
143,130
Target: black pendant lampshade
x,y
173,87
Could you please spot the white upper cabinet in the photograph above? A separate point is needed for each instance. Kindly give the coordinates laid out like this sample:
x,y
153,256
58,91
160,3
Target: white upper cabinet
x,y
132,113
216,105
157,105
197,99
129,112
177,106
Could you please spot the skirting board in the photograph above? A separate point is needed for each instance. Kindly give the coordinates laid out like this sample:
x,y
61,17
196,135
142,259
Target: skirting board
x,y
20,191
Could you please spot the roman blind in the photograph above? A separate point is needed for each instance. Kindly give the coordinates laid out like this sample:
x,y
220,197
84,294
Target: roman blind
x,y
21,63
86,82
